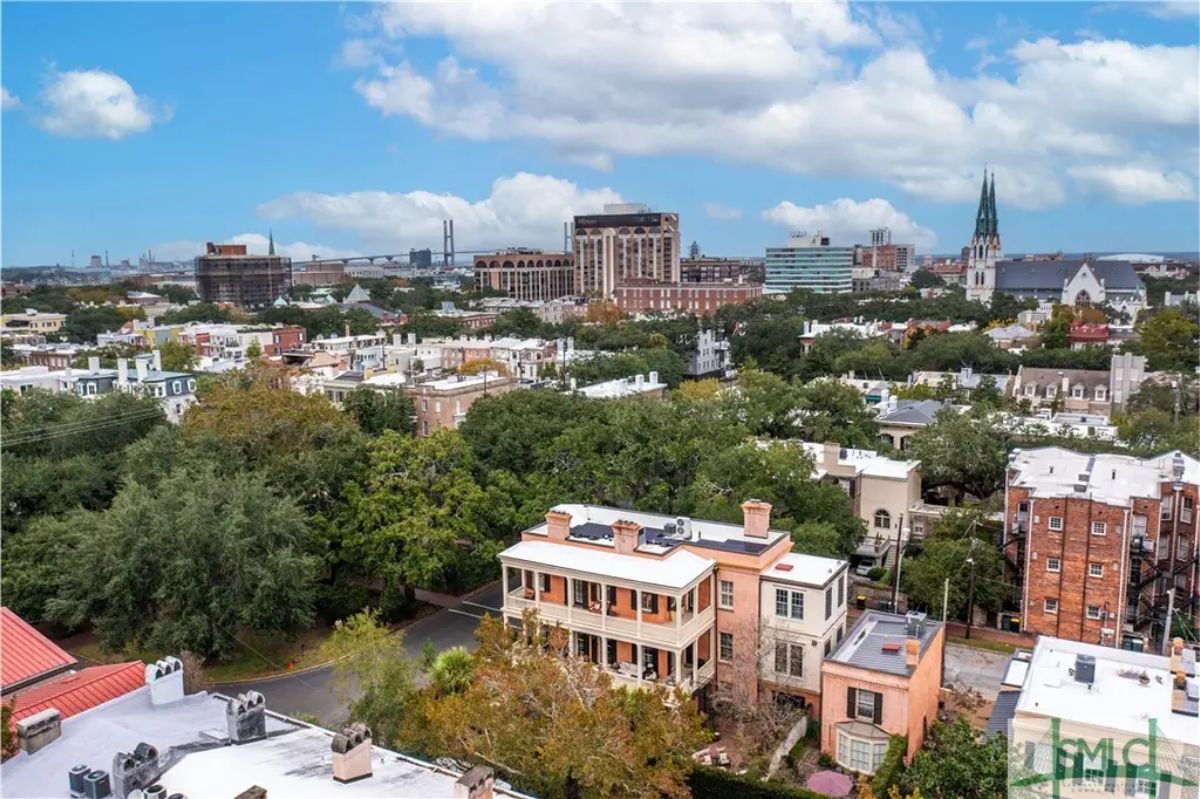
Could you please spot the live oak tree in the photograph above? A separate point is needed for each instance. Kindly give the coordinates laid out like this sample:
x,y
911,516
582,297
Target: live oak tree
x,y
187,564
923,577
963,450
959,762
376,410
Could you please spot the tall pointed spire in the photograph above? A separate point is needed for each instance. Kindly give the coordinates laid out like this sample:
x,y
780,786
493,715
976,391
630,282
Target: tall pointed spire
x,y
994,217
982,220
271,239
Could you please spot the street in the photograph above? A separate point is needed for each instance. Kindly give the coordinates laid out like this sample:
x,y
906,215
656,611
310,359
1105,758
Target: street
x,y
979,669
312,692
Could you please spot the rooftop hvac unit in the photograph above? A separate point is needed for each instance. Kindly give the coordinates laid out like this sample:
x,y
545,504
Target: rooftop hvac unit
x,y
156,791
75,779
1085,669
96,785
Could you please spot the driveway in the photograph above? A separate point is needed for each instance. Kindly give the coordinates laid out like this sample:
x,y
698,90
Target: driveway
x,y
312,692
979,669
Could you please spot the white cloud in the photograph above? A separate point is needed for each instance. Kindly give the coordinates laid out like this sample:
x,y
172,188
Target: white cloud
x,y
185,250
848,221
1133,184
800,104
522,209
8,100
95,103
721,212
1172,10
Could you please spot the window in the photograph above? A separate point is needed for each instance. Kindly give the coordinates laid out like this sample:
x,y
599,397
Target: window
x,y
796,660
580,592
1185,514
1056,523
841,590
1053,565
868,705
545,581
828,602
1166,510
883,520
1099,528
1030,390
176,387
725,647
649,602
1051,606
726,597
1093,611
781,658
1101,393
1077,392
1181,549
191,384
789,604
1095,570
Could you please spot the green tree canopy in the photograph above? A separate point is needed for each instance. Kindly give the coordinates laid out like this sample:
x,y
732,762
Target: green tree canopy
x,y
959,762
923,576
377,410
966,451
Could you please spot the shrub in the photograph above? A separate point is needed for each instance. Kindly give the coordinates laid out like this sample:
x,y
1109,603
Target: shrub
x,y
876,574
825,761
892,766
707,782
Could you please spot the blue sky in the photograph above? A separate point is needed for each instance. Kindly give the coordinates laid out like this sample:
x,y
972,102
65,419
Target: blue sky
x,y
356,129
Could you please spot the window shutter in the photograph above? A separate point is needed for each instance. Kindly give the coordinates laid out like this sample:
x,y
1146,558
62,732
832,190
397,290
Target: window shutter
x,y
878,708
1030,751
850,703
654,603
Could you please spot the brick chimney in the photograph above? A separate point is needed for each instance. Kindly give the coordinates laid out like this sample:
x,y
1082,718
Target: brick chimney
x,y
912,652
246,718
558,525
165,679
477,783
625,536
756,518
830,454
352,753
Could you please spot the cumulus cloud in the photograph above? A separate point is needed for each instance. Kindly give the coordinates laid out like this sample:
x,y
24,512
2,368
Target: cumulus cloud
x,y
521,209
95,103
1171,10
1134,184
8,100
721,212
804,103
185,250
848,221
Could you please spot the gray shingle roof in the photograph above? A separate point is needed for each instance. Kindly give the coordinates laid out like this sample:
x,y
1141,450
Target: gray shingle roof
x,y
913,412
1088,378
1049,275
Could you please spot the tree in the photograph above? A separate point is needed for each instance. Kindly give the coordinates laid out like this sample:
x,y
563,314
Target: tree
x,y
924,576
958,762
833,411
986,393
418,519
604,313
773,343
177,357
197,312
254,351
1169,340
451,671
376,410
766,404
1053,333
552,722
1153,430
924,279
963,450
189,563
481,365
82,325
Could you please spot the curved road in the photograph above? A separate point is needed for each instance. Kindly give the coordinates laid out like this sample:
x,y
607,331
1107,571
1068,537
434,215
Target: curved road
x,y
313,691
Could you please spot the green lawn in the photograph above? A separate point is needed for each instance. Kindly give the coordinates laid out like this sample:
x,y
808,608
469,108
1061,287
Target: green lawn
x,y
979,643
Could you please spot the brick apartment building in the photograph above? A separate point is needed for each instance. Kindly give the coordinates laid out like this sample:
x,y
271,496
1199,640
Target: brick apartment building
x,y
1098,541
720,270
444,403
227,274
706,606
625,242
702,299
526,274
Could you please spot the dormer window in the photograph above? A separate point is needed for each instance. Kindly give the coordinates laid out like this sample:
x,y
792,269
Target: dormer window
x,y
1101,394
1077,392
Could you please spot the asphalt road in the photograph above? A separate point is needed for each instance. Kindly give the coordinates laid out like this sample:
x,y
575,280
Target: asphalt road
x,y
312,692
980,669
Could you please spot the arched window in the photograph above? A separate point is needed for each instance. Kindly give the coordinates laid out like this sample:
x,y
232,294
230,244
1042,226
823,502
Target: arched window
x,y
883,519
1083,299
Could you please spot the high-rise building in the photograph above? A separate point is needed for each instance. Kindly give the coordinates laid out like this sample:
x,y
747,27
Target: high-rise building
x,y
984,249
625,242
521,273
226,273
420,259
810,262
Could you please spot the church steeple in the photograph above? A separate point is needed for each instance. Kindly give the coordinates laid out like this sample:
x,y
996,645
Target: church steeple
x,y
983,223
271,240
994,217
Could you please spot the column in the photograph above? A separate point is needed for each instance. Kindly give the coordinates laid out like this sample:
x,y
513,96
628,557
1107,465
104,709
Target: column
x,y
678,614
604,606
637,600
570,598
604,652
504,582
637,661
537,592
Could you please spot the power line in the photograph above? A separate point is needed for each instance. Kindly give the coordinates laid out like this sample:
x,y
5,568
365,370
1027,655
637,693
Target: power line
x,y
71,429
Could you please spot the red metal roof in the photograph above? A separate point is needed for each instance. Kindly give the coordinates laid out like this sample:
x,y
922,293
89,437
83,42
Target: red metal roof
x,y
78,691
26,654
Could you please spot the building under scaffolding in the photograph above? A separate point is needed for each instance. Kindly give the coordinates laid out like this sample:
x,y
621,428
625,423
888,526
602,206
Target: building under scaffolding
x,y
227,274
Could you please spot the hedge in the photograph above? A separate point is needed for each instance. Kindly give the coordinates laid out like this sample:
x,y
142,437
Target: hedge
x,y
707,782
892,766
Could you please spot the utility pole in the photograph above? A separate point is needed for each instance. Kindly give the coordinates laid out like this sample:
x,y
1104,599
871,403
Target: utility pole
x,y
971,593
899,555
1177,468
945,599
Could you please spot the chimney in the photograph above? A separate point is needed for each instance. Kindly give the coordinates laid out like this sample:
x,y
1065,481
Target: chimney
x,y
477,783
142,364
625,536
156,359
892,403
165,679
831,450
412,339
912,652
93,363
756,518
39,730
122,372
654,377
352,754
639,380
558,525
132,770
346,329
246,718
574,384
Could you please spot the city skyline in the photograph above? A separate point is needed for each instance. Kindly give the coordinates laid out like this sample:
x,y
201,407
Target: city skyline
x,y
358,129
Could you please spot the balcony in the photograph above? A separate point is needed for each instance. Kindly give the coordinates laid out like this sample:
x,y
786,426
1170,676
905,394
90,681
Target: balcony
x,y
592,618
690,680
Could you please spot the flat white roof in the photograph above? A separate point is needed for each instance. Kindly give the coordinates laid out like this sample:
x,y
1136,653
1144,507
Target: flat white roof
x,y
621,387
386,379
805,569
1112,479
702,529
864,461
1117,699
676,570
462,381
